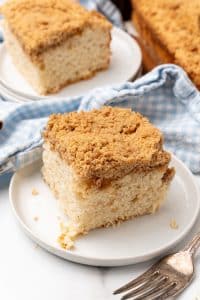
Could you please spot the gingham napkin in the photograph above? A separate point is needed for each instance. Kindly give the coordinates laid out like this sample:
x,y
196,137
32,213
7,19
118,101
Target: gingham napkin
x,y
166,96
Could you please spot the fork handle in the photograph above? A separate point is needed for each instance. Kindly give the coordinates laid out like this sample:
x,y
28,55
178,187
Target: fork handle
x,y
193,245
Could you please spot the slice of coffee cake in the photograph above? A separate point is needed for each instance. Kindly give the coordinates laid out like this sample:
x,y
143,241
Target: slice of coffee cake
x,y
105,166
55,42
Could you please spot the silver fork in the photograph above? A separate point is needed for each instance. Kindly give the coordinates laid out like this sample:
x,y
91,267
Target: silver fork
x,y
166,278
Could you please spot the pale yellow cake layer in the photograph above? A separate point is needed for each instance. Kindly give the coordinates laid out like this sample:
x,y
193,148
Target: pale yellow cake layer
x,y
88,206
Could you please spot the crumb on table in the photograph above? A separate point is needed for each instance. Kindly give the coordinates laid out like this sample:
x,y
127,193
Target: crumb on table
x,y
35,192
173,224
36,218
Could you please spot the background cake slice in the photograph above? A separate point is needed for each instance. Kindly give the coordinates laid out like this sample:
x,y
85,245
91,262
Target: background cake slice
x,y
105,166
55,42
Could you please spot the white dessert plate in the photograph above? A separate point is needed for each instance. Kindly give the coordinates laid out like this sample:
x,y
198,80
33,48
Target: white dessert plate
x,y
133,241
125,64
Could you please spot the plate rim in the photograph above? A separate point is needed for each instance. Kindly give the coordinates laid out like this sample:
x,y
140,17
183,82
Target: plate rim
x,y
116,31
107,262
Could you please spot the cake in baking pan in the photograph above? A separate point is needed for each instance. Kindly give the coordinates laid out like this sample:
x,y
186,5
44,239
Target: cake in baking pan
x,y
169,33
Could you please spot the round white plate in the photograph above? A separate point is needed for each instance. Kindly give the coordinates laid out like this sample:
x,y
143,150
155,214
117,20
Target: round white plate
x,y
133,241
125,64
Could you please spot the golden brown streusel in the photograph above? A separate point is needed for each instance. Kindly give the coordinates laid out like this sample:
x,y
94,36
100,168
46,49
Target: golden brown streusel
x,y
107,143
42,24
169,174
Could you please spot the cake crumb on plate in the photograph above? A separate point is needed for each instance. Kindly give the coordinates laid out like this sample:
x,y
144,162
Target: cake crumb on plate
x,y
35,192
36,218
68,235
173,224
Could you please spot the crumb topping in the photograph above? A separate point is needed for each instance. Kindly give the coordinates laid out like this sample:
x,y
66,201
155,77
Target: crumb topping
x,y
42,24
168,175
106,143
182,36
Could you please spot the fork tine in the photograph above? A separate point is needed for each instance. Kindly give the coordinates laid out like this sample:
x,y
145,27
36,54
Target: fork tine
x,y
146,286
163,293
147,276
140,293
170,292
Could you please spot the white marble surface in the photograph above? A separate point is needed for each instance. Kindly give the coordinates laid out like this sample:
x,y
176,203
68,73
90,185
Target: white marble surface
x,y
27,272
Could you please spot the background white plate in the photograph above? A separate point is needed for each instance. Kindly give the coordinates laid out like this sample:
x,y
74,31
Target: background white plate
x,y
125,64
134,241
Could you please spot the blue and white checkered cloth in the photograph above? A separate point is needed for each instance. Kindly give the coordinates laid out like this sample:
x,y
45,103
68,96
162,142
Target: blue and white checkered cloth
x,y
166,96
